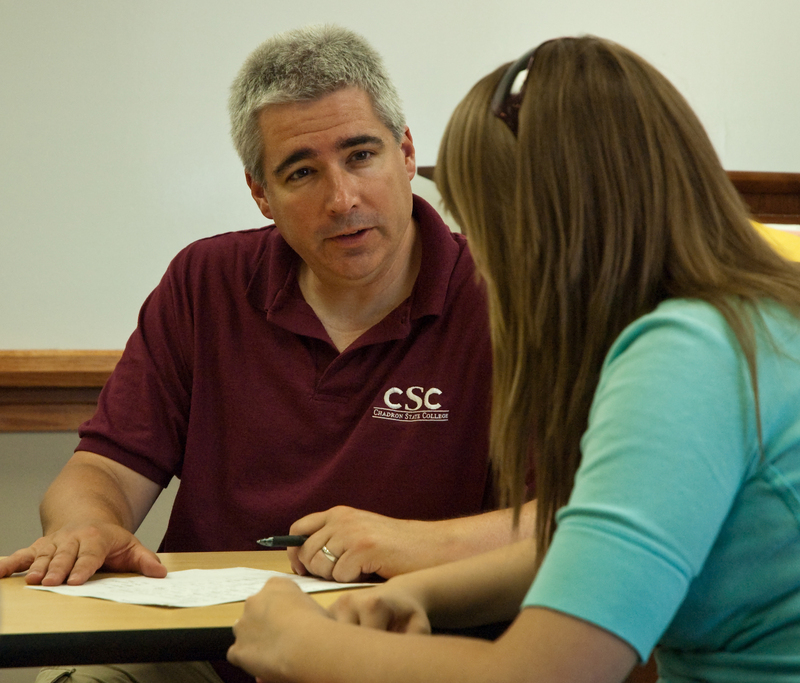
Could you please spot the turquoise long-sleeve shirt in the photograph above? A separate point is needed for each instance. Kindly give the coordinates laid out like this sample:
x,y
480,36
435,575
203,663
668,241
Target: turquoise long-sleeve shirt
x,y
679,532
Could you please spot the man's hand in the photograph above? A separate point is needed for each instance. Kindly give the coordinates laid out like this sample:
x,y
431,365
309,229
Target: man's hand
x,y
367,543
75,552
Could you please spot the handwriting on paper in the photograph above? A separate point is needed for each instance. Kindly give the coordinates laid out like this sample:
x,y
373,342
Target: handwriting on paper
x,y
190,587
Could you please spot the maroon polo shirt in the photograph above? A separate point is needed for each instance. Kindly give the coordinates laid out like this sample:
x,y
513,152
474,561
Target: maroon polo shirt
x,y
231,383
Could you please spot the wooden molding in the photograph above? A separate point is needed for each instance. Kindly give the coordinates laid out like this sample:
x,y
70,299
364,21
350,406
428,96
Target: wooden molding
x,y
771,197
59,415
44,391
426,171
56,368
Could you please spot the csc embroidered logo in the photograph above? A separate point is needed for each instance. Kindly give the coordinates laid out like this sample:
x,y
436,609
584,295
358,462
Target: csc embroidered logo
x,y
415,404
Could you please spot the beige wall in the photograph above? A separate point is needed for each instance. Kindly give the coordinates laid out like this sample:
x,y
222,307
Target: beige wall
x,y
115,144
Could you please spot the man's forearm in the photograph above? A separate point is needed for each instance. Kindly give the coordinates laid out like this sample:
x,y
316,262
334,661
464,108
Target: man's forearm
x,y
92,488
467,536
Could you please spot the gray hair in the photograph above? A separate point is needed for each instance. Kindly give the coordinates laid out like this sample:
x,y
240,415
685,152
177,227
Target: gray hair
x,y
305,65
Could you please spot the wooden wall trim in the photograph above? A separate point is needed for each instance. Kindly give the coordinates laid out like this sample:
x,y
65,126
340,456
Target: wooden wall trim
x,y
771,197
56,368
426,171
51,390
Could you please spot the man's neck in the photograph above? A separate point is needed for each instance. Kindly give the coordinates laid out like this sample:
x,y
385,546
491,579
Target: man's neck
x,y
348,310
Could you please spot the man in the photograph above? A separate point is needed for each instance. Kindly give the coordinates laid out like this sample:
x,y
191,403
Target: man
x,y
328,375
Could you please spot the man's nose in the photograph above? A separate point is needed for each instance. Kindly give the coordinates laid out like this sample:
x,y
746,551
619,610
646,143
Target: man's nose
x,y
342,194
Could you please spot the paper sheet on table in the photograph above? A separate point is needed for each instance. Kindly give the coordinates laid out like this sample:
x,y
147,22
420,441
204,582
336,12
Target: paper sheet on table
x,y
190,587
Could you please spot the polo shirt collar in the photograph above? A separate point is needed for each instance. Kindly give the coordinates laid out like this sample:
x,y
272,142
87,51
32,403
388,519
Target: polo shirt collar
x,y
275,290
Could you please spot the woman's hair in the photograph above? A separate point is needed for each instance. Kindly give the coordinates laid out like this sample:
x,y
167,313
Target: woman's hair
x,y
609,200
303,65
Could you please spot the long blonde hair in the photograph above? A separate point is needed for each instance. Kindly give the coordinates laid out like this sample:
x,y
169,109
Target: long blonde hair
x,y
609,200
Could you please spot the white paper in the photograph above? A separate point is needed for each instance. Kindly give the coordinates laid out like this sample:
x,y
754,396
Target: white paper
x,y
190,587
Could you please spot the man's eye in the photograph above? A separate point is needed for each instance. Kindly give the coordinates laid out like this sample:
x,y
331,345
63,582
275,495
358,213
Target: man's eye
x,y
299,174
362,155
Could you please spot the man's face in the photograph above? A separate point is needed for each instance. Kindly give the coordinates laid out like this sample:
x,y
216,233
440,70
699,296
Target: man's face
x,y
337,185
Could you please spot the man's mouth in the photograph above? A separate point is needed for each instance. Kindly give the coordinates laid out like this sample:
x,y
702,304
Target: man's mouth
x,y
351,235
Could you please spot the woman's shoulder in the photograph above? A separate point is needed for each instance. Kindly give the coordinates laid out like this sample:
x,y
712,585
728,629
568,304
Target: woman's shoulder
x,y
697,325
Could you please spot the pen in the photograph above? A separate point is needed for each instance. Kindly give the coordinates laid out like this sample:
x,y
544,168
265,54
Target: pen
x,y
282,541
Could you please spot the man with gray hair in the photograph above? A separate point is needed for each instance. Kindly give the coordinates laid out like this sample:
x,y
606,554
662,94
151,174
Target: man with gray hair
x,y
327,376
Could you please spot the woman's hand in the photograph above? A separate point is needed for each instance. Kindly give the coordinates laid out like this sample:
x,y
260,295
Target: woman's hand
x,y
270,635
387,607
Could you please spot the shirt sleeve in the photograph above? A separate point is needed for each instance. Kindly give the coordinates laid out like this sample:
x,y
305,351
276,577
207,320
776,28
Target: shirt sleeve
x,y
143,410
670,435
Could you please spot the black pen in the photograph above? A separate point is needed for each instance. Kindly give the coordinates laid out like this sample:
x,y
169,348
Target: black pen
x,y
282,541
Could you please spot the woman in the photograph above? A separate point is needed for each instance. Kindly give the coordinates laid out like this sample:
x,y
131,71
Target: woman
x,y
647,353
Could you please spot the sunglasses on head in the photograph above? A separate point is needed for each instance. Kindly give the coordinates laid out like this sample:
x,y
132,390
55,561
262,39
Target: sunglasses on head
x,y
510,90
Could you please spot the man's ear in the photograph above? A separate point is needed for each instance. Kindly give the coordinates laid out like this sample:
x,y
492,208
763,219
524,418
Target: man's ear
x,y
259,195
409,153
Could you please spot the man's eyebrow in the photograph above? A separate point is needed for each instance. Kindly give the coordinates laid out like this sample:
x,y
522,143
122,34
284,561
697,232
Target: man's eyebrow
x,y
293,158
358,140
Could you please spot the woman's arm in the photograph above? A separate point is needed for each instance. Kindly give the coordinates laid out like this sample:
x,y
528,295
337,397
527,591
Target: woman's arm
x,y
283,635
483,589
281,626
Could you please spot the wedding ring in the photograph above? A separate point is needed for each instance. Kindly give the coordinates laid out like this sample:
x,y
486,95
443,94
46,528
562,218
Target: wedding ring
x,y
329,554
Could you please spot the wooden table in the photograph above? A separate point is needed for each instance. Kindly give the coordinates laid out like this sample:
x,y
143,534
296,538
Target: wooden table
x,y
40,628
